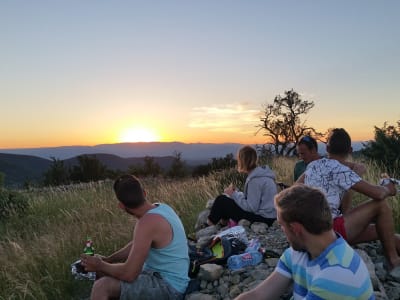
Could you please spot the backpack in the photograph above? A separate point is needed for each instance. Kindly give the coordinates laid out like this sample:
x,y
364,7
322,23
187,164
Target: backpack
x,y
217,252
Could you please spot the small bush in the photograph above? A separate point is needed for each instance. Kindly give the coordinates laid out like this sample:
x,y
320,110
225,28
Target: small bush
x,y
12,202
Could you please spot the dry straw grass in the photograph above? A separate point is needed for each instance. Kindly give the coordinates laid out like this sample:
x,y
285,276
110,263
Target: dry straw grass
x,y
36,250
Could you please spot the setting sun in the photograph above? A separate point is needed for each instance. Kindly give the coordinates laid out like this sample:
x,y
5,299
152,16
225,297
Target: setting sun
x,y
138,134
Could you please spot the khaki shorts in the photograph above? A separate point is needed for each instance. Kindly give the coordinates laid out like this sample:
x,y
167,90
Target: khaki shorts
x,y
149,285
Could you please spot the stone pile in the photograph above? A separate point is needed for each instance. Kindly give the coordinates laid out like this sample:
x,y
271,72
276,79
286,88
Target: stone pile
x,y
218,282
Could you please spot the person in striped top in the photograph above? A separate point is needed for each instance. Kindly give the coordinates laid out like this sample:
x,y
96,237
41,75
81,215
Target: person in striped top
x,y
319,262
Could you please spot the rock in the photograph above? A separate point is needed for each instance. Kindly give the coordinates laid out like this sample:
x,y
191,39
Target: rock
x,y
202,220
209,203
371,268
206,232
210,272
199,296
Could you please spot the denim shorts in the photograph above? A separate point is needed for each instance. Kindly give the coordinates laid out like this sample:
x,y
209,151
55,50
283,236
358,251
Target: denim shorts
x,y
148,285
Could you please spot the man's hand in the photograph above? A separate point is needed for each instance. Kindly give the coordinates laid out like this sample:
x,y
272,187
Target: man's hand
x,y
91,263
388,183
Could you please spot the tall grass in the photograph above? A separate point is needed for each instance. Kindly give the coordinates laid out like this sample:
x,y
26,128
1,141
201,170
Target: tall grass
x,y
36,250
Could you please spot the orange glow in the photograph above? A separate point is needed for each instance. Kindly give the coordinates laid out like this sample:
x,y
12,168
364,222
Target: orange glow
x,y
138,134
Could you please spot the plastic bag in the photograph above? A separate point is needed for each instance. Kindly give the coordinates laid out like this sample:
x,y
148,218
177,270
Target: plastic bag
x,y
79,272
236,231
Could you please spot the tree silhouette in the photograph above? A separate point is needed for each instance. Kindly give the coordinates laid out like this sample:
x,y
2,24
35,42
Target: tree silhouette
x,y
89,169
57,174
178,167
282,123
385,149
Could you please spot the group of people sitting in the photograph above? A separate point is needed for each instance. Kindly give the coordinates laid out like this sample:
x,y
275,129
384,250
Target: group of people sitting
x,y
315,214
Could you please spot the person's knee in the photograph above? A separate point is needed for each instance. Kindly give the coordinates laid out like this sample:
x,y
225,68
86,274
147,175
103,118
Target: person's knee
x,y
383,207
104,286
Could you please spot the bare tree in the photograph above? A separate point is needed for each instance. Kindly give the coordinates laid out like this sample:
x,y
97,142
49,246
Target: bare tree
x,y
282,123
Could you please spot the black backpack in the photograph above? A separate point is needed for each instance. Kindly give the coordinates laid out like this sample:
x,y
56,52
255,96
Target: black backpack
x,y
217,252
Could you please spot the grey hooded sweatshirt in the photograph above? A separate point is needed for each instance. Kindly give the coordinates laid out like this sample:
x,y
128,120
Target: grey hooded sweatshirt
x,y
259,191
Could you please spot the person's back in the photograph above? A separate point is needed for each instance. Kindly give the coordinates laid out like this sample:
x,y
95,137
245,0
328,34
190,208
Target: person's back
x,y
172,259
260,184
333,178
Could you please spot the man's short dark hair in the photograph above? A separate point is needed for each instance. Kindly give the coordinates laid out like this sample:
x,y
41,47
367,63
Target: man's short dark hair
x,y
309,142
339,142
305,205
129,191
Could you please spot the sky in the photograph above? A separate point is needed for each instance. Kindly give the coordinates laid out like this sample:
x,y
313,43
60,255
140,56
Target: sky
x,y
96,72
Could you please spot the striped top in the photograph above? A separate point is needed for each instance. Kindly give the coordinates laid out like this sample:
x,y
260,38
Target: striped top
x,y
337,273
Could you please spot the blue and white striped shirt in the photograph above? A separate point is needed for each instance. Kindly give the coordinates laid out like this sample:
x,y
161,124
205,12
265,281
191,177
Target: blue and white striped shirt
x,y
337,273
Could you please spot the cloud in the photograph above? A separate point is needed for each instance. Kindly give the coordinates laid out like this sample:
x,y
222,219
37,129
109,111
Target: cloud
x,y
225,118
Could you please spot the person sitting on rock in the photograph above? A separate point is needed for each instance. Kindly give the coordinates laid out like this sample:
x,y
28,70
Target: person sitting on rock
x,y
155,263
368,221
319,262
256,203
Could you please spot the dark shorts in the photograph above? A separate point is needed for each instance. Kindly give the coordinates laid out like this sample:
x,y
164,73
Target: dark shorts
x,y
149,285
338,226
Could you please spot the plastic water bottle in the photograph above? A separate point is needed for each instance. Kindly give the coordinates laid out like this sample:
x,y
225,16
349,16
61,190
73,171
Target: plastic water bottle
x,y
252,258
254,245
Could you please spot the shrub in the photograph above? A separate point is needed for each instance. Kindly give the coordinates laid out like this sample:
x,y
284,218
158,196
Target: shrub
x,y
12,202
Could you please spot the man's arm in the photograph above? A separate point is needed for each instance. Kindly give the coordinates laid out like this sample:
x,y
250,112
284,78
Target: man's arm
x,y
376,192
346,202
271,288
120,255
129,270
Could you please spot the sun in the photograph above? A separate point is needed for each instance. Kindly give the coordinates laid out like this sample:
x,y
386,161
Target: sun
x,y
138,134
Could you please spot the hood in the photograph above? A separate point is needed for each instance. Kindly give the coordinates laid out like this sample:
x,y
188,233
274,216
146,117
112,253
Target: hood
x,y
262,171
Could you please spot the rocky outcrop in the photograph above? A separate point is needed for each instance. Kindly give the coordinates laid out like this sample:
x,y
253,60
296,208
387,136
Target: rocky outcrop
x,y
218,282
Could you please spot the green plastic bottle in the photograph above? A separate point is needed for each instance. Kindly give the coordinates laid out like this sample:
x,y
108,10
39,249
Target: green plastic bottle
x,y
89,249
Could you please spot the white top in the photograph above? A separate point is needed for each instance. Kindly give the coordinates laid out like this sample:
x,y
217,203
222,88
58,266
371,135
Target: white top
x,y
331,177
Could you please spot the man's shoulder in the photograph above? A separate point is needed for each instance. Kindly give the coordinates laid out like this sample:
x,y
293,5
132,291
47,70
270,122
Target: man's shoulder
x,y
299,163
152,220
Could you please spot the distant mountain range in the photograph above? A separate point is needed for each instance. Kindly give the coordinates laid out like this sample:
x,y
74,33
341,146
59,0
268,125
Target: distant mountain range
x,y
194,151
29,164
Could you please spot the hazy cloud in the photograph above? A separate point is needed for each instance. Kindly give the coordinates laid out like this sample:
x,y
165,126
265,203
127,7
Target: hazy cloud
x,y
225,118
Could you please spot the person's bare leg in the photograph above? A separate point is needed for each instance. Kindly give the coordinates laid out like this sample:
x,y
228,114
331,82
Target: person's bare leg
x,y
370,234
357,227
106,288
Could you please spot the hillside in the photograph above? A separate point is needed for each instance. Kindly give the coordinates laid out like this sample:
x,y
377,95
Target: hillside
x,y
115,162
20,169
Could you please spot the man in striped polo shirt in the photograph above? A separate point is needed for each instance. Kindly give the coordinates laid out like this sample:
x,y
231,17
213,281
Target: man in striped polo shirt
x,y
319,262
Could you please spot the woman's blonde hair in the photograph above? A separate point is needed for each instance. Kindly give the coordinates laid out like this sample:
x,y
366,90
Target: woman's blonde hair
x,y
247,159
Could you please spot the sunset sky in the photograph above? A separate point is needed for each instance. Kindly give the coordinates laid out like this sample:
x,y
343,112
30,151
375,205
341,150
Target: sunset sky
x,y
94,72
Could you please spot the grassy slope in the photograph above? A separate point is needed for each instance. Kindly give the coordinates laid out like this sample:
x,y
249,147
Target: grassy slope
x,y
36,250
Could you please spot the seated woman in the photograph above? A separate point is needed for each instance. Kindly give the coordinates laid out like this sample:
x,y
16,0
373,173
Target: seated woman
x,y
256,203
